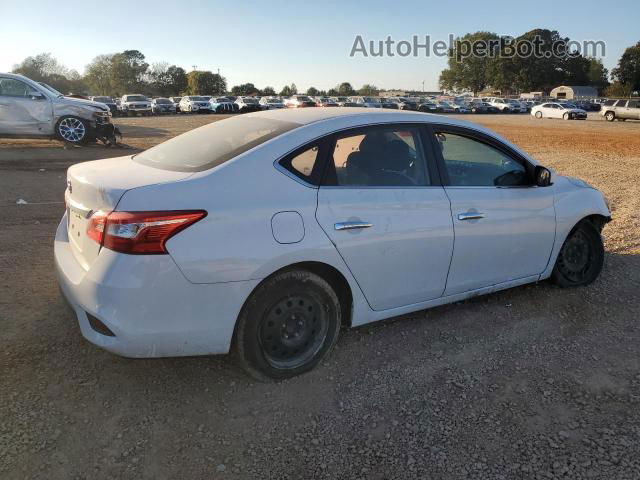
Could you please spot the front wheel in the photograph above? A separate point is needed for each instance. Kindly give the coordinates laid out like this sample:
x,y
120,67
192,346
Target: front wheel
x,y
538,115
581,257
72,130
566,116
288,325
610,116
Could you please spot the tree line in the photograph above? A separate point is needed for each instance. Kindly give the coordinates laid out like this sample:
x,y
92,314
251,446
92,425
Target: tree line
x,y
557,64
129,72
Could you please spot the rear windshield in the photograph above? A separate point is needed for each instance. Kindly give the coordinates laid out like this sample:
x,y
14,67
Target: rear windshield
x,y
212,145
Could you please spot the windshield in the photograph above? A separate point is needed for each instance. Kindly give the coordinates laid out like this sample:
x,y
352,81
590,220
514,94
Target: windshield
x,y
371,100
198,99
249,100
163,100
51,89
135,98
274,100
102,99
303,99
213,144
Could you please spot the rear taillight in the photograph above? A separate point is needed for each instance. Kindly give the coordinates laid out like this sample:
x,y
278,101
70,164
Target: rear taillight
x,y
139,232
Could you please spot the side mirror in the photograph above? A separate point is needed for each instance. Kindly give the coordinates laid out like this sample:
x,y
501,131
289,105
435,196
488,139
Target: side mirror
x,y
36,96
543,176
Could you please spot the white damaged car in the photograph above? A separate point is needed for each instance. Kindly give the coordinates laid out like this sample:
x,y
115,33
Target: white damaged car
x,y
29,109
267,232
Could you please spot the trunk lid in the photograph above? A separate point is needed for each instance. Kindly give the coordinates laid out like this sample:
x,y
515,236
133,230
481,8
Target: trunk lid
x,y
98,186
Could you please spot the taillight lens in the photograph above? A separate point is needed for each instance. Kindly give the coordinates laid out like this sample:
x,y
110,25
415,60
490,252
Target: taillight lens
x,y
139,232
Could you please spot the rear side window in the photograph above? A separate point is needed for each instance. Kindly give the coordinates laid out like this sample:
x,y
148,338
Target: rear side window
x,y
212,145
608,103
305,163
634,103
378,157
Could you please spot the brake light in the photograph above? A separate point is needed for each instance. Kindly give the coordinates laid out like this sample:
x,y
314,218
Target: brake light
x,y
139,232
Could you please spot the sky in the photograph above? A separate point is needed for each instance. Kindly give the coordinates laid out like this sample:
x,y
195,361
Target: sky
x,y
276,43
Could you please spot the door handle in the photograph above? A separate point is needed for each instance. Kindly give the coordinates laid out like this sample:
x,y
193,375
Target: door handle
x,y
470,216
352,225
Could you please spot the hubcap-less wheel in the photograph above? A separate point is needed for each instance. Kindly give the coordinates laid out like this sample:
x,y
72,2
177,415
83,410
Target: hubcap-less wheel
x,y
72,130
293,331
538,114
574,260
581,257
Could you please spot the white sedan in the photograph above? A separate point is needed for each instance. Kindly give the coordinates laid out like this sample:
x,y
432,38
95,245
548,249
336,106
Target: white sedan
x,y
269,231
558,110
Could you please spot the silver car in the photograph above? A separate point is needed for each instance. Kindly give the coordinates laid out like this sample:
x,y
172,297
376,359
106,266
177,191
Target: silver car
x,y
627,109
31,109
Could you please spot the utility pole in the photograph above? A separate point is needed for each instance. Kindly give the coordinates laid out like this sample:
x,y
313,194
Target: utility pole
x,y
194,67
422,86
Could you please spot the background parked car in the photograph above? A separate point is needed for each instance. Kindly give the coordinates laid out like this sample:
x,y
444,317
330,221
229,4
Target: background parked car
x,y
428,107
299,101
558,110
325,102
500,104
135,104
176,102
404,103
248,104
108,101
386,103
32,109
366,102
195,104
271,103
162,105
223,105
621,110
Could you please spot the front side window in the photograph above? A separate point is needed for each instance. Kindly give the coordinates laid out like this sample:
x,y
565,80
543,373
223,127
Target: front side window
x,y
10,87
471,163
621,103
378,157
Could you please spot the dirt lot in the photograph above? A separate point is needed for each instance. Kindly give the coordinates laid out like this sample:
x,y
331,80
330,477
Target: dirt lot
x,y
534,382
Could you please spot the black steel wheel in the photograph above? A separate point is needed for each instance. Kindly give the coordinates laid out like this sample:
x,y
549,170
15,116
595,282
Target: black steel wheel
x,y
287,325
581,257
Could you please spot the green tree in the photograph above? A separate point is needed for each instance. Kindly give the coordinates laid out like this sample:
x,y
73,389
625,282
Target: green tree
x,y
289,90
468,72
45,68
345,89
244,89
627,73
368,90
268,91
205,83
128,72
178,81
99,75
312,91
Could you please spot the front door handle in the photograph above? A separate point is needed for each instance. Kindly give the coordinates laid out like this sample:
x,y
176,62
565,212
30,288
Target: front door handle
x,y
352,225
470,216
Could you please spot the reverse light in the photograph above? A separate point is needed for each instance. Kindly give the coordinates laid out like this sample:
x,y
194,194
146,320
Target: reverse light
x,y
139,232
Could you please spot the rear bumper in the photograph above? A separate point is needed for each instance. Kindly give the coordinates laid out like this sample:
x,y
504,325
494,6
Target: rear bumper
x,y
148,304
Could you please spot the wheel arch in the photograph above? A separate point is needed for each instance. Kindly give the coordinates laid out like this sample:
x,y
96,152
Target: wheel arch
x,y
327,272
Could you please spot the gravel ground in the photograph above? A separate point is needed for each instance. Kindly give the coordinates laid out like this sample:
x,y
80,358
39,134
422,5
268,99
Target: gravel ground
x,y
533,382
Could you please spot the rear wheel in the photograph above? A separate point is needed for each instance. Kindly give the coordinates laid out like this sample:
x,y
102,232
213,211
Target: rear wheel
x,y
581,257
72,130
287,326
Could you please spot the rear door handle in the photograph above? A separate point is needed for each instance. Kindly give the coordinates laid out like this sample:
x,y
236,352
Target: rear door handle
x,y
470,216
352,225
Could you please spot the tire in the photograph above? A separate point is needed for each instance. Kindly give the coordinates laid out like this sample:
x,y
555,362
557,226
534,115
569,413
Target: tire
x,y
610,116
288,325
566,116
538,115
581,257
72,130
